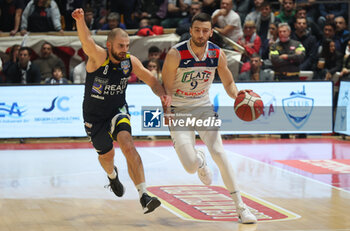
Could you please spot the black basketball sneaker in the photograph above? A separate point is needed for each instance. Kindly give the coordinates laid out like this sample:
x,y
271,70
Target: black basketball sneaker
x,y
149,203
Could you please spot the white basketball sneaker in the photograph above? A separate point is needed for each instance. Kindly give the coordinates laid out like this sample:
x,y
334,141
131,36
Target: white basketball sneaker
x,y
204,172
244,214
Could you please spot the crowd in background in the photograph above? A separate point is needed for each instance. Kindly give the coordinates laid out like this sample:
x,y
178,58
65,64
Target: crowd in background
x,y
279,38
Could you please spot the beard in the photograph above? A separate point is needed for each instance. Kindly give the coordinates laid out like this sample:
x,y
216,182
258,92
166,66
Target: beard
x,y
199,43
119,57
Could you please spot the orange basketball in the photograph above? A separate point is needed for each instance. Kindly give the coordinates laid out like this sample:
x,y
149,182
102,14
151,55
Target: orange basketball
x,y
248,106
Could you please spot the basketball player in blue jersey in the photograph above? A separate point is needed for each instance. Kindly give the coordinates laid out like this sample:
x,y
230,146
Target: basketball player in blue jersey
x,y
188,72
105,110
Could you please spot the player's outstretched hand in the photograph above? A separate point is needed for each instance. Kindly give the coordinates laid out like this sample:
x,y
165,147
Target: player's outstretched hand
x,y
78,14
245,90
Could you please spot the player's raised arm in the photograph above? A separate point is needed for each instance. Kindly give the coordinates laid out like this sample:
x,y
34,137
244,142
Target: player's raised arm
x,y
171,63
97,54
226,76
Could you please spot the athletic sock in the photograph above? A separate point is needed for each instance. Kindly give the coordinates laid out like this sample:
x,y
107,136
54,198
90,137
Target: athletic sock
x,y
141,189
113,175
236,196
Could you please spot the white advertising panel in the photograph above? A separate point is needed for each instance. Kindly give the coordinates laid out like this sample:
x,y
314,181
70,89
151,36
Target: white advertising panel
x,y
41,111
56,110
342,117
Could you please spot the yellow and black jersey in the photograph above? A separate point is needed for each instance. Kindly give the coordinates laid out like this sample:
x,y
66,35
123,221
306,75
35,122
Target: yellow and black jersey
x,y
105,89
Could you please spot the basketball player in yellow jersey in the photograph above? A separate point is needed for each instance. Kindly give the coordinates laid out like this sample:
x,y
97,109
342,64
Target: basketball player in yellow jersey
x,y
188,72
105,110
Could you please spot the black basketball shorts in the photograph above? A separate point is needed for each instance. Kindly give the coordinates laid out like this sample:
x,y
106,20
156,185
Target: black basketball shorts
x,y
102,134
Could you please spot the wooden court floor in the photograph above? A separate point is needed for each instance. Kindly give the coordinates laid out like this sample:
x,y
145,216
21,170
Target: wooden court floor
x,y
59,186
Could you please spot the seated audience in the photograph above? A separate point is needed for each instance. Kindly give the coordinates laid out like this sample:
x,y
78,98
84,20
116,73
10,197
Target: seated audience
x,y
47,61
228,22
341,32
153,53
256,73
309,42
12,60
57,77
113,21
154,66
25,71
329,61
177,10
250,41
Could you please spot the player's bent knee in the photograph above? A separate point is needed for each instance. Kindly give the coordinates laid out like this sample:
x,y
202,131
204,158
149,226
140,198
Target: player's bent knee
x,y
119,123
190,168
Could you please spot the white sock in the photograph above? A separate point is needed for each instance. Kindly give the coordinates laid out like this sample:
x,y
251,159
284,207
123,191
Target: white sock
x,y
236,196
141,189
113,175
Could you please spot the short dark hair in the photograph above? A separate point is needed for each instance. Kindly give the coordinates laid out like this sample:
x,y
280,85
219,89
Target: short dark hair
x,y
57,68
25,49
153,49
202,17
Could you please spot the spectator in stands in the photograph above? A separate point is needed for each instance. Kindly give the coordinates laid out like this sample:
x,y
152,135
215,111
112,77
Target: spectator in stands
x,y
209,6
154,10
130,9
90,21
41,16
329,33
309,42
253,15
341,32
177,10
25,71
272,37
242,8
329,61
57,77
329,11
287,13
10,15
263,20
312,27
13,59
113,21
345,72
184,26
286,55
256,73
154,66
153,53
250,41
47,61
310,8
228,22
79,71
66,8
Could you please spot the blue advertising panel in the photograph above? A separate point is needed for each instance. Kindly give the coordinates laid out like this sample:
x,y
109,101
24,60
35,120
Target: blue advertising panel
x,y
342,117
